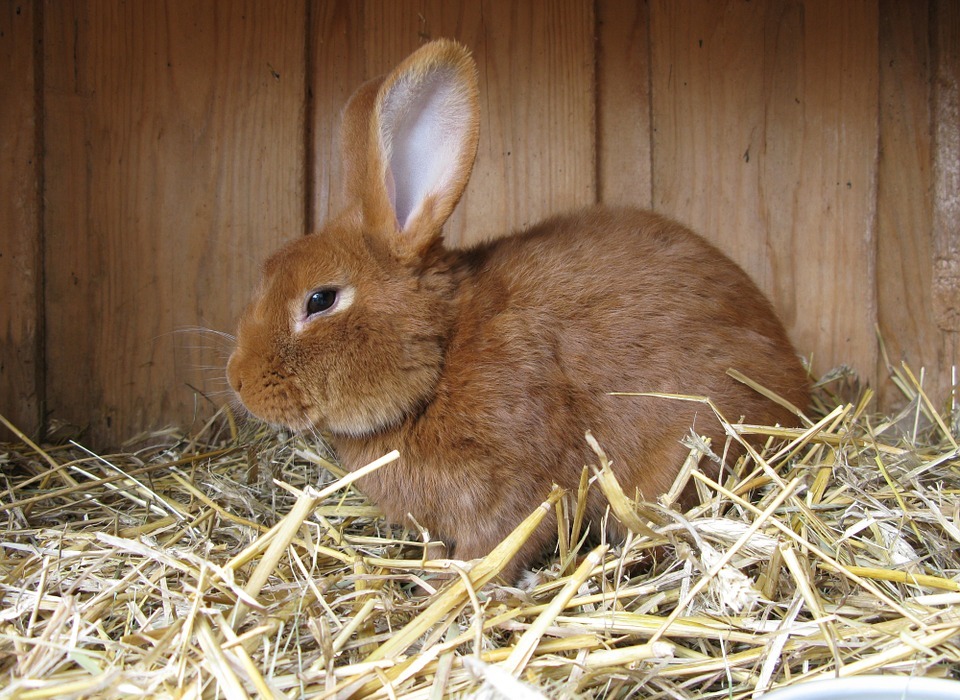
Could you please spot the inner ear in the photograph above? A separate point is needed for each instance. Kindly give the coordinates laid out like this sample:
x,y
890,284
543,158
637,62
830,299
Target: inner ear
x,y
425,121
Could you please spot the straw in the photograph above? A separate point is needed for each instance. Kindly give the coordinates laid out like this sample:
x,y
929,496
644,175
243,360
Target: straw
x,y
236,562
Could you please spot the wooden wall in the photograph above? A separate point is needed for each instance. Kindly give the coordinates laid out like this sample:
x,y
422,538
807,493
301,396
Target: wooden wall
x,y
151,154
21,234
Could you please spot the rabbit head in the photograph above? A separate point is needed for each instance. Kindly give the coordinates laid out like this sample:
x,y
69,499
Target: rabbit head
x,y
347,330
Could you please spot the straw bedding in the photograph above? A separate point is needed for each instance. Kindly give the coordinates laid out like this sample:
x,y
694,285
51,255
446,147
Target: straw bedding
x,y
237,563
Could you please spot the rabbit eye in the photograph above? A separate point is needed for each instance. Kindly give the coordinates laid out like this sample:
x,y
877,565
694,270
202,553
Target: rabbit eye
x,y
321,300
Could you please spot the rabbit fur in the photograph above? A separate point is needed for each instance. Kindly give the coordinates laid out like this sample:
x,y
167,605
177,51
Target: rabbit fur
x,y
485,367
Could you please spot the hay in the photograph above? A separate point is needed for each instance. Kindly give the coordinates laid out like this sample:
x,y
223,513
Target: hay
x,y
230,564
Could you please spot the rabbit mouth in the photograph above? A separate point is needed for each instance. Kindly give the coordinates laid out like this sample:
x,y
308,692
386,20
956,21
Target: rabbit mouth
x,y
304,416
269,396
311,419
284,399
274,414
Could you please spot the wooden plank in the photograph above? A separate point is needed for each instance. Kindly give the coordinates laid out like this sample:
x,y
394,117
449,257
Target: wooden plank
x,y
904,204
335,68
946,164
538,146
624,173
536,67
21,275
174,135
946,185
765,140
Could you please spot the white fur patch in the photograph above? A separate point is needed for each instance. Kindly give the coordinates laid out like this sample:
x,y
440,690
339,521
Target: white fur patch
x,y
530,580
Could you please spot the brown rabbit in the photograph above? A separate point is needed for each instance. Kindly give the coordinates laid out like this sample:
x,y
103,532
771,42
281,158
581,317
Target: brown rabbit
x,y
485,367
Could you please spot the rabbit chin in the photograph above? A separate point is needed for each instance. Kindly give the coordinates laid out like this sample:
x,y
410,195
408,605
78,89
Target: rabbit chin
x,y
313,420
356,430
358,421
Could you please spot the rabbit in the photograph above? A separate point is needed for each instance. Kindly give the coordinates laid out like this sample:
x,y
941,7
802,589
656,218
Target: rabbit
x,y
486,366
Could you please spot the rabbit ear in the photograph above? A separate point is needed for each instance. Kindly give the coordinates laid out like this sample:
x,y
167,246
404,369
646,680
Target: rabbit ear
x,y
423,141
355,138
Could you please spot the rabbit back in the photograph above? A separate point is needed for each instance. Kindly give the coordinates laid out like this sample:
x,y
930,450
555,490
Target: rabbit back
x,y
548,324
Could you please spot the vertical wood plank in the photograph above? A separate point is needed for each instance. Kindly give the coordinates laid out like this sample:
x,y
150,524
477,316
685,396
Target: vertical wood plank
x,y
765,140
946,182
623,103
918,230
21,361
536,63
538,145
946,163
904,194
336,67
174,135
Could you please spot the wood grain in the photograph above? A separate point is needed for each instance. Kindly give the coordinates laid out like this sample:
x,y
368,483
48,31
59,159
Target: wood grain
x,y
624,174
765,140
21,275
174,135
536,79
335,68
946,183
946,164
905,195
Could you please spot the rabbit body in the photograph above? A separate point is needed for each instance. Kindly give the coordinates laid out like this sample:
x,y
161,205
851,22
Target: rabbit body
x,y
485,367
